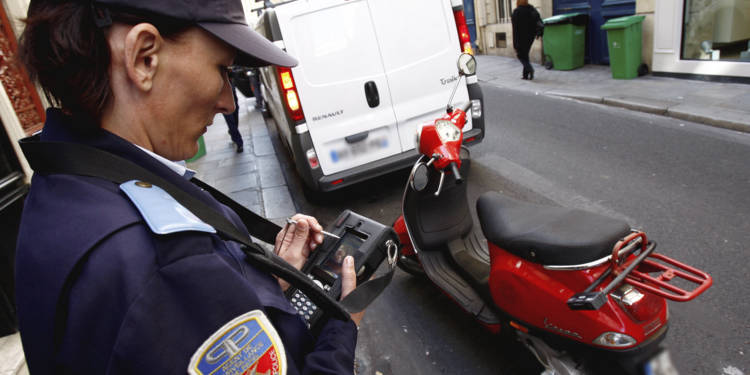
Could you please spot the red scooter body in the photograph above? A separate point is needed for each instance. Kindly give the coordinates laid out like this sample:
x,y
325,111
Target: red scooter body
x,y
538,297
614,305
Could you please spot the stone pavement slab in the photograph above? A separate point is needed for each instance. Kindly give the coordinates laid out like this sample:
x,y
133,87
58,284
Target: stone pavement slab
x,y
719,104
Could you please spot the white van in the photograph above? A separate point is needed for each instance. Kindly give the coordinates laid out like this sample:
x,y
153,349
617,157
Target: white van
x,y
370,72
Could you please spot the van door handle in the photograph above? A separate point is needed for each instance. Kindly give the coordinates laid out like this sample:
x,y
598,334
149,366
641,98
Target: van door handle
x,y
359,137
371,93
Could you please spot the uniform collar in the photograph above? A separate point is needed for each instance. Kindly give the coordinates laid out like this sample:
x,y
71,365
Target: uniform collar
x,y
178,167
62,127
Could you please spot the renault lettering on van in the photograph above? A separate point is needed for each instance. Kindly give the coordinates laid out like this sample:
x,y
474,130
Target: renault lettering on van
x,y
328,115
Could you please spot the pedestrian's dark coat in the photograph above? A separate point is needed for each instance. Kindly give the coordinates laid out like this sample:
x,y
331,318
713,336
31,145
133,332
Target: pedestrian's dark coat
x,y
132,301
525,20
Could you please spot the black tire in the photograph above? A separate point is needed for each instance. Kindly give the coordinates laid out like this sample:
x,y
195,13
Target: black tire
x,y
411,266
642,70
548,63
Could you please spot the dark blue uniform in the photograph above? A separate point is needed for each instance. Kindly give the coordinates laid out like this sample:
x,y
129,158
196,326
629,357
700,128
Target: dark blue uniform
x,y
126,300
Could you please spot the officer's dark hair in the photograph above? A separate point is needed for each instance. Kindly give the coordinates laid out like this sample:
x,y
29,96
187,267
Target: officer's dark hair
x,y
67,53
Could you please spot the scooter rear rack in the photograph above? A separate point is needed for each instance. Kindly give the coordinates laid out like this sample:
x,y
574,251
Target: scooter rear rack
x,y
638,270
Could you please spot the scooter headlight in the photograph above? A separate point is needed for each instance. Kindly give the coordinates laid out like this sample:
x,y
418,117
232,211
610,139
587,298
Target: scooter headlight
x,y
614,340
447,131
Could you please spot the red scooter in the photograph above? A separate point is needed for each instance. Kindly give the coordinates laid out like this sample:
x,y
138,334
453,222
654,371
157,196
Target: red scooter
x,y
583,292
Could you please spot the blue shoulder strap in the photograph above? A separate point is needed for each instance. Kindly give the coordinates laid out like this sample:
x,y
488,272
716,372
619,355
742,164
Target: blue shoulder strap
x,y
162,213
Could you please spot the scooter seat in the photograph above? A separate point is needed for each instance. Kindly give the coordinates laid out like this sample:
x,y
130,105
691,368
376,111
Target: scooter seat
x,y
545,234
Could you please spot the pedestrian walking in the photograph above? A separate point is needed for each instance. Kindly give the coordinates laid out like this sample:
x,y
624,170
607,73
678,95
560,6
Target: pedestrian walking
x,y
260,104
527,25
233,122
120,278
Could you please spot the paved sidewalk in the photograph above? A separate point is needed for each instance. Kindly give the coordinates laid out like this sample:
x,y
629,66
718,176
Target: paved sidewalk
x,y
725,105
254,177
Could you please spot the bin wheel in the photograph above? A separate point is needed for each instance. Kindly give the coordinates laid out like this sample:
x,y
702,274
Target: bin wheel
x,y
548,63
642,70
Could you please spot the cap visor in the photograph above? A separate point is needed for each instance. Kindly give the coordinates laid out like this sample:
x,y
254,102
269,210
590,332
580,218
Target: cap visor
x,y
254,49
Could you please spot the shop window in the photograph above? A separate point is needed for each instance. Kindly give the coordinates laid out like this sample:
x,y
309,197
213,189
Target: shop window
x,y
716,30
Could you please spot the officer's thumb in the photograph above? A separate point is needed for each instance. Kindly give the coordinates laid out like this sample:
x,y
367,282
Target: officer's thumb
x,y
348,276
349,283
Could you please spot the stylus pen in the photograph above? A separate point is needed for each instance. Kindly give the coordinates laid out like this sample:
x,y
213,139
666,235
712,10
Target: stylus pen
x,y
292,221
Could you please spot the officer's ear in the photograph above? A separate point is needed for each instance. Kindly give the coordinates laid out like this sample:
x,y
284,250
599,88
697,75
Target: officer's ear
x,y
142,44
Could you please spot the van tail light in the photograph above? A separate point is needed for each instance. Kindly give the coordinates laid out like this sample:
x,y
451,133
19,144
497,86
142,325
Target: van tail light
x,y
312,158
289,90
463,31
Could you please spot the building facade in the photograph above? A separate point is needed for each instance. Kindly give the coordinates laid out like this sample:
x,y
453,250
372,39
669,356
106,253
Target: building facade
x,y
705,39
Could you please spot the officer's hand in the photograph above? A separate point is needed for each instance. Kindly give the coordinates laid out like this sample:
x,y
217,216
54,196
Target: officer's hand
x,y
296,242
349,283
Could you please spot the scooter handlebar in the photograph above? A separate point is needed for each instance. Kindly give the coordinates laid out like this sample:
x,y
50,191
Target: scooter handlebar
x,y
456,173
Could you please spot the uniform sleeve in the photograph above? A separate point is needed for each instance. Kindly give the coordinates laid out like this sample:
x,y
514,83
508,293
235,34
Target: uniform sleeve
x,y
181,307
190,301
334,350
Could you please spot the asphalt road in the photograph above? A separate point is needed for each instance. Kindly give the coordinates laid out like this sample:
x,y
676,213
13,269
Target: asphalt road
x,y
685,184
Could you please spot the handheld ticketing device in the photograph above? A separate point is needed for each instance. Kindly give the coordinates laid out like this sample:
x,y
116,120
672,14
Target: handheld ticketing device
x,y
361,237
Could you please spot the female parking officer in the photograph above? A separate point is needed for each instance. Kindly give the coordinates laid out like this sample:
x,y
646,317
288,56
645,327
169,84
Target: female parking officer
x,y
99,289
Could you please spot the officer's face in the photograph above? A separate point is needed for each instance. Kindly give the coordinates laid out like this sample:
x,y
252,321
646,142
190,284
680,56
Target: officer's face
x,y
191,88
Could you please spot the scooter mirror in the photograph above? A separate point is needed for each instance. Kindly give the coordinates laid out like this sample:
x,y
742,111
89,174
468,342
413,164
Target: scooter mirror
x,y
420,177
467,64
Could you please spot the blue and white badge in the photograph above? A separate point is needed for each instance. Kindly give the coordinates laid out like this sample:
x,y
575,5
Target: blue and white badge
x,y
247,345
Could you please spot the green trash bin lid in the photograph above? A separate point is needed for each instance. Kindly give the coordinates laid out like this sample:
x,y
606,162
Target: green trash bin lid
x,y
561,19
622,22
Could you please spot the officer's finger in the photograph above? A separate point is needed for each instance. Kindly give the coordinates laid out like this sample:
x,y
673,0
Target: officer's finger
x,y
349,283
315,229
348,276
301,233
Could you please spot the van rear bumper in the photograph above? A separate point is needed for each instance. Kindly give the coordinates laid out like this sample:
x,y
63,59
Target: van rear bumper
x,y
367,171
381,167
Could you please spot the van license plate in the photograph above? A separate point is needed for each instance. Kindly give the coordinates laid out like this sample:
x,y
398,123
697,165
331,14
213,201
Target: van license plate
x,y
660,364
359,148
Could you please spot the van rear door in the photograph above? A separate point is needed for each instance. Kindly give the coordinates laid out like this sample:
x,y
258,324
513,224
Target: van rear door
x,y
420,47
341,81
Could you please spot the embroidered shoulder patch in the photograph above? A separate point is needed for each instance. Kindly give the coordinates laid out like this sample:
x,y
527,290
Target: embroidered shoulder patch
x,y
247,345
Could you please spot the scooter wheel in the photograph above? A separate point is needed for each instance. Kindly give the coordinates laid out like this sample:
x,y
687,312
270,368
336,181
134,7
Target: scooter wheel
x,y
411,266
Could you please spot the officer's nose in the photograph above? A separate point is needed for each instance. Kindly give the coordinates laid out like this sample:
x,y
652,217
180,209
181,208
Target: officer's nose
x,y
226,104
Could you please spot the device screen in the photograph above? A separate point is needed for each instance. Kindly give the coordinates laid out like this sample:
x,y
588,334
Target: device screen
x,y
348,244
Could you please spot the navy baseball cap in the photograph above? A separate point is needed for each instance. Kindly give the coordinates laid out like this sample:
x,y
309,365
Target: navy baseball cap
x,y
225,19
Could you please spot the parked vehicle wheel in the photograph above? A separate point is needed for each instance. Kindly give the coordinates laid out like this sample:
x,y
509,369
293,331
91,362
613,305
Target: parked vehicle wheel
x,y
548,63
642,70
411,265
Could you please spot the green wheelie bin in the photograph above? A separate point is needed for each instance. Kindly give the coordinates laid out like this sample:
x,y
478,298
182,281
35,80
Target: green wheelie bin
x,y
564,41
201,151
624,44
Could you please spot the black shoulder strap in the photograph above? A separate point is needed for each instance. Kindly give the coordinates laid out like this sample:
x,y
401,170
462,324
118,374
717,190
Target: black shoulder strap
x,y
76,159
258,226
